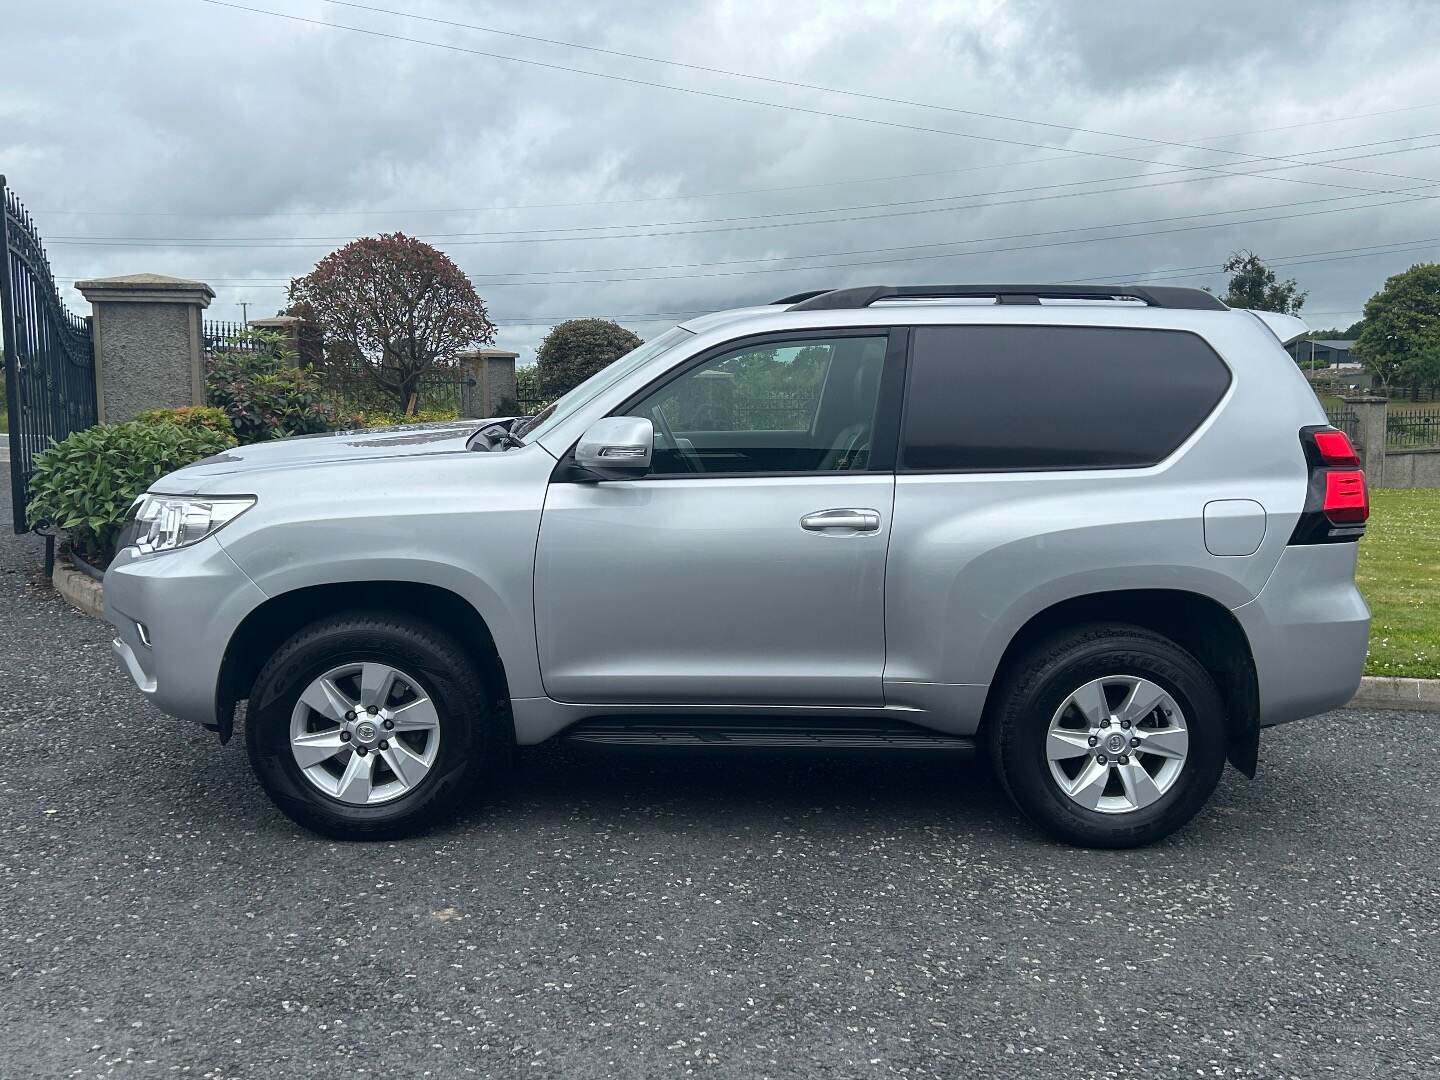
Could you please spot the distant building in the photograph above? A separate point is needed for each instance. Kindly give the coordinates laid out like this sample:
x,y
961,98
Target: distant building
x,y
1334,364
1330,353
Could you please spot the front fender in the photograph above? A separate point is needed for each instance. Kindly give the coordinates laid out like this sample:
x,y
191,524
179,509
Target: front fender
x,y
440,526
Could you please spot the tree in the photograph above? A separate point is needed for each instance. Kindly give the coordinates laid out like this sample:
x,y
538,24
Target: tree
x,y
1337,333
1400,342
399,306
577,349
1254,285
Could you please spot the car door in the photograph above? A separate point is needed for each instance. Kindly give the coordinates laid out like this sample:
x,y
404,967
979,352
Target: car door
x,y
748,566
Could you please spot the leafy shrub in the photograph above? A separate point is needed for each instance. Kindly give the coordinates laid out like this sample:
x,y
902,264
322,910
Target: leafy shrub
x,y
86,483
577,349
265,398
191,416
369,418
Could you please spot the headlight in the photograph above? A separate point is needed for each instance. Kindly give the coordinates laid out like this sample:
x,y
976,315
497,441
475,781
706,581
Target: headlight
x,y
166,522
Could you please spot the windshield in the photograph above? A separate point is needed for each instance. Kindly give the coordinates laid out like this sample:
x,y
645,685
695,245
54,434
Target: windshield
x,y
606,377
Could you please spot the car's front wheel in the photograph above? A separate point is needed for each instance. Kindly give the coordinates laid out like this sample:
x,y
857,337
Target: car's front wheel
x,y
1108,736
368,725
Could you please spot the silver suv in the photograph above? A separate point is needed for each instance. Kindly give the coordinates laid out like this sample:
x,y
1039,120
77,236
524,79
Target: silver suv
x,y
1101,533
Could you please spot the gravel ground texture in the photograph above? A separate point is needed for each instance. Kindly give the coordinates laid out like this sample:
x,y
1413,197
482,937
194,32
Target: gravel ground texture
x,y
623,914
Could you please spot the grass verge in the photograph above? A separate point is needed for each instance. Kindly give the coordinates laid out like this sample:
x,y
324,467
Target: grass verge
x,y
1399,574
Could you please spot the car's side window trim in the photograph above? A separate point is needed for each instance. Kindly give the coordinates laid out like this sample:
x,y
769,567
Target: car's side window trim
x,y
887,412
885,449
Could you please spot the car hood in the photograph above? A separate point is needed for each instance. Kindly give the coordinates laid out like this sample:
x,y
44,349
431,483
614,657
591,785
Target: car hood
x,y
412,440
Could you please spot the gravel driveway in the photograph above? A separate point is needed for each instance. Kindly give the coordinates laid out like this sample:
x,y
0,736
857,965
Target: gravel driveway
x,y
619,915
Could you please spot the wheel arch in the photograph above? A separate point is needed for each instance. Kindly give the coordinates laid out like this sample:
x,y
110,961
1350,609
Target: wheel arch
x,y
268,625
1202,626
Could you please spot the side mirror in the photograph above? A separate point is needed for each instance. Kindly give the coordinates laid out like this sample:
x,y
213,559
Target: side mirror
x,y
616,447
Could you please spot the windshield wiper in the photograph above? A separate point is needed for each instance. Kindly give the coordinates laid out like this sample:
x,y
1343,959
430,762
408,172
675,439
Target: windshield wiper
x,y
496,435
505,437
529,423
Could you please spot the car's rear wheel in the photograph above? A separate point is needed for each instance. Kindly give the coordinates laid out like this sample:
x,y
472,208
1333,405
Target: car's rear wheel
x,y
368,725
1108,735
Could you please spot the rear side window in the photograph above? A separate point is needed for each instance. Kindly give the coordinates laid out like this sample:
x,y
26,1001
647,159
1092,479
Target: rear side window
x,y
995,398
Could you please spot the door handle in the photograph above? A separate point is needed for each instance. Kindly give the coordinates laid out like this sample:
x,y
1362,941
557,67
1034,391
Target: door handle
x,y
851,519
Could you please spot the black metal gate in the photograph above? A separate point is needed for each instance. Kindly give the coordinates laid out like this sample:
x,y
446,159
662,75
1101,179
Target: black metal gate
x,y
49,353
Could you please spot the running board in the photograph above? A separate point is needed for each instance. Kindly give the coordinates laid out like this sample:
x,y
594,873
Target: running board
x,y
766,734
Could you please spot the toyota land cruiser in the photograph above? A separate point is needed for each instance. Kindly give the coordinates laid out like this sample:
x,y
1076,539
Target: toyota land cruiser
x,y
1101,533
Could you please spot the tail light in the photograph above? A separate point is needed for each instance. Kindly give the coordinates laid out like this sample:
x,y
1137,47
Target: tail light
x,y
1334,448
1337,504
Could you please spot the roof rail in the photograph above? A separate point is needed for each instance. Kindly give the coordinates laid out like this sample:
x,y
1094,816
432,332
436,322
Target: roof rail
x,y
799,296
1161,296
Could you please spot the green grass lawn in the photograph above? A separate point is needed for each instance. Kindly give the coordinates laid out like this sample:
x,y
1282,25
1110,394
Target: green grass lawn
x,y
1400,576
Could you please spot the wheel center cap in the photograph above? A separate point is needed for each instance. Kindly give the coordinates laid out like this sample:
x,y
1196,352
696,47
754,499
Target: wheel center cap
x,y
1115,743
366,732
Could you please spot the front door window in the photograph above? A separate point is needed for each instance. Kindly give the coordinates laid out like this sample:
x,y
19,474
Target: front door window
x,y
793,406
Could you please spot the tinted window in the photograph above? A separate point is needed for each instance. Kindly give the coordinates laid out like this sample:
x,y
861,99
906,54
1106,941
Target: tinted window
x,y
786,406
987,398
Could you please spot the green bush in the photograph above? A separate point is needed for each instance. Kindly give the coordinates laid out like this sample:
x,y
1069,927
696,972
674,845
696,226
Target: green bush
x,y
86,483
369,418
265,397
191,416
577,349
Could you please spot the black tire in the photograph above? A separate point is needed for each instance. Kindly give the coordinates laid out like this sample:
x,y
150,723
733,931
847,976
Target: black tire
x,y
1035,686
452,681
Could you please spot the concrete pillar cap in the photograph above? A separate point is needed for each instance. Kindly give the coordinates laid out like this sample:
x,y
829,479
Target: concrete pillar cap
x,y
487,354
146,289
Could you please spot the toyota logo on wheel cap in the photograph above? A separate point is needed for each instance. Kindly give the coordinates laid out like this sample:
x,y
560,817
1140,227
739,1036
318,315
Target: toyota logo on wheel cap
x,y
1114,744
365,731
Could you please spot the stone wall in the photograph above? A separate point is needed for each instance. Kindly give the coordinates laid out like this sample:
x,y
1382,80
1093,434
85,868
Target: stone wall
x,y
1418,468
1411,469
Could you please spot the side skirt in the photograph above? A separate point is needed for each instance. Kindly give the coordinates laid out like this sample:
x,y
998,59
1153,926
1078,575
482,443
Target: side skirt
x,y
765,733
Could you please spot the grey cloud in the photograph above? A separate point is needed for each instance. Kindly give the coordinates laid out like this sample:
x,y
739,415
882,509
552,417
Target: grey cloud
x,y
179,106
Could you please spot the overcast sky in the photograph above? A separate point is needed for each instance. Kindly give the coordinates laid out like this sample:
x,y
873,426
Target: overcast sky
x,y
187,138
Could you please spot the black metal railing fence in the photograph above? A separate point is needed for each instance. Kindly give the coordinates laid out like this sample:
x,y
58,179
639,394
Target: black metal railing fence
x,y
50,387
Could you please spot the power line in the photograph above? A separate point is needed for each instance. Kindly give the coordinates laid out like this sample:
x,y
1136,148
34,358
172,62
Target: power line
x,y
853,251
1314,123
806,110
1282,262
957,254
1275,261
525,236
988,251
684,196
826,89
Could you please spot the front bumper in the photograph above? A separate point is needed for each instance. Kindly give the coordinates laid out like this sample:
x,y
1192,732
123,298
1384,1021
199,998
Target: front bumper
x,y
189,602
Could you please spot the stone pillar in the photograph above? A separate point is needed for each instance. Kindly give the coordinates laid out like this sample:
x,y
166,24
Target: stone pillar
x,y
1370,434
302,337
489,381
148,348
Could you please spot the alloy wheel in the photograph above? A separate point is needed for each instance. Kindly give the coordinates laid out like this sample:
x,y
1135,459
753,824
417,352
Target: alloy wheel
x,y
1117,744
364,733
